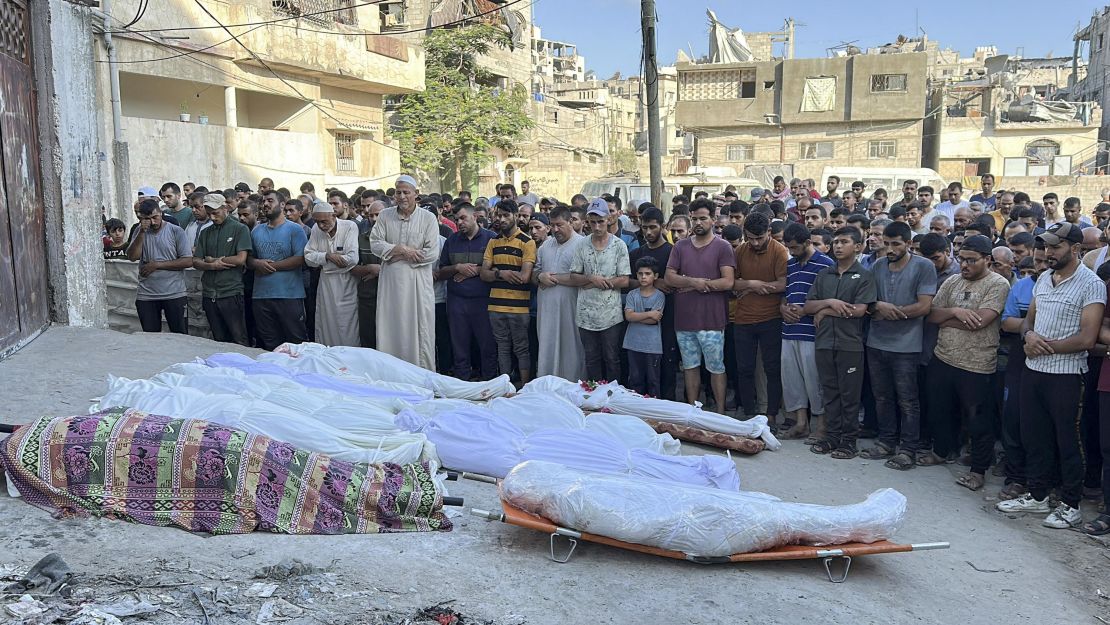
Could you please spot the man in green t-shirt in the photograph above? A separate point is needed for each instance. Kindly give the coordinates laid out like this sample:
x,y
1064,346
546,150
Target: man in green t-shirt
x,y
221,252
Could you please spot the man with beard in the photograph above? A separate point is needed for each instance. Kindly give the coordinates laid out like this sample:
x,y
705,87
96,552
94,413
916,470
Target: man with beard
x,y
656,246
702,268
967,309
333,247
163,252
679,227
1063,322
760,280
560,348
407,241
248,216
265,186
278,287
909,193
905,285
179,210
507,264
221,253
366,272
200,218
468,318
600,269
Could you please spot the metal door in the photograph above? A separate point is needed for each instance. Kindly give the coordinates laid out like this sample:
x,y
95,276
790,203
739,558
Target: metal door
x,y
24,299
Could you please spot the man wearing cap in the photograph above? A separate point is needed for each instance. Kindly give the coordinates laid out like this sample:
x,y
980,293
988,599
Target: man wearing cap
x,y
507,264
333,247
164,253
407,241
1063,322
278,298
221,253
967,308
242,191
600,269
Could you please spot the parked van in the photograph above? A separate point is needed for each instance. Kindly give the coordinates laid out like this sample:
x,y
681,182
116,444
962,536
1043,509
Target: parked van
x,y
889,178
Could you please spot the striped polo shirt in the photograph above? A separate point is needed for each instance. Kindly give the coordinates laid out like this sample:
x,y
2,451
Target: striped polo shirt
x,y
509,254
1059,309
799,280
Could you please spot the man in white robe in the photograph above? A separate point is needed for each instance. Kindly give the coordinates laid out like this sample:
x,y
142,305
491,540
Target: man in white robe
x,y
333,247
406,238
560,352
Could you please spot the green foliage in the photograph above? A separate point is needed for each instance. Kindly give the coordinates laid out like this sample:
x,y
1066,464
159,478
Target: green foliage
x,y
455,122
622,159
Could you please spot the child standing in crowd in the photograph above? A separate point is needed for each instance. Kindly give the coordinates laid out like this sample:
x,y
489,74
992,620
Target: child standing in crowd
x,y
839,301
643,310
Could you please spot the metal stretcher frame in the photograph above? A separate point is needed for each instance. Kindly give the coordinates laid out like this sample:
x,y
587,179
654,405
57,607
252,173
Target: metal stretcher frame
x,y
840,554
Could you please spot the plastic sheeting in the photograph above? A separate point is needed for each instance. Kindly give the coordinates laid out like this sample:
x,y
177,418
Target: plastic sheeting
x,y
696,521
374,365
726,45
348,385
615,398
478,441
267,418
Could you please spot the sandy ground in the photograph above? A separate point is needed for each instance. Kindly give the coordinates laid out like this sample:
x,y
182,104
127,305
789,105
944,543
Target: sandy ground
x,y
998,570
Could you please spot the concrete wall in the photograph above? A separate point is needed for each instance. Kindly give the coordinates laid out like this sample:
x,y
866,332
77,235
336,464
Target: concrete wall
x,y
976,138
560,173
72,156
121,282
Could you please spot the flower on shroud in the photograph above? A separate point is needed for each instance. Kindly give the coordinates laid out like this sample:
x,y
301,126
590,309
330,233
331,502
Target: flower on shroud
x,y
77,462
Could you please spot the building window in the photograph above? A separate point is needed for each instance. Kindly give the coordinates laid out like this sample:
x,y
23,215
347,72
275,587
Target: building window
x,y
768,85
345,152
888,82
392,14
579,121
319,11
813,150
740,152
553,116
886,148
747,83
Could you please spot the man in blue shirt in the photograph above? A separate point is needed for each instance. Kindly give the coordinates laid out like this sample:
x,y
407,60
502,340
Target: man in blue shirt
x,y
278,298
467,295
986,196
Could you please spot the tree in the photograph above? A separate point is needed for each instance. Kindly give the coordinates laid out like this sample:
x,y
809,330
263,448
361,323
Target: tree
x,y
460,116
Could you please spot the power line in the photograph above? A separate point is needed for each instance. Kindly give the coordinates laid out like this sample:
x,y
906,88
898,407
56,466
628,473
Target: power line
x,y
174,56
273,21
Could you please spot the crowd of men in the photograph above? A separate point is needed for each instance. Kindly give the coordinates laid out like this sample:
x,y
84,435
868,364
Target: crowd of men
x,y
971,331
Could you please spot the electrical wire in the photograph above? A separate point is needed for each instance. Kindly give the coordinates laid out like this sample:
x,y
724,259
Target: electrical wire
x,y
139,13
273,21
179,55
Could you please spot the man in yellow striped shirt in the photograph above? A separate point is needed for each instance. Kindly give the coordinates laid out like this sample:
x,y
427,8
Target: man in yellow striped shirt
x,y
507,264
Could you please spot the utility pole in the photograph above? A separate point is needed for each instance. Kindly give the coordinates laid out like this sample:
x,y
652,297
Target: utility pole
x,y
651,75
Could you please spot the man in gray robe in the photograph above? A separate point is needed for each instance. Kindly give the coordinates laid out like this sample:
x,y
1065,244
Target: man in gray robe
x,y
560,351
333,247
407,240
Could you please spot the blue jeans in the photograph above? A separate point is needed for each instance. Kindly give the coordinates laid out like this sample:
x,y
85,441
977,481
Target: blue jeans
x,y
894,385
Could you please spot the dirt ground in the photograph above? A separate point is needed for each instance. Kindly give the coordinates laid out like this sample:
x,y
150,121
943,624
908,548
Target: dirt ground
x,y
998,570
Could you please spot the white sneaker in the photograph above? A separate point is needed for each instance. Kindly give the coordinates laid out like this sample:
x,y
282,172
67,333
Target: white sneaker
x,y
1063,517
1025,503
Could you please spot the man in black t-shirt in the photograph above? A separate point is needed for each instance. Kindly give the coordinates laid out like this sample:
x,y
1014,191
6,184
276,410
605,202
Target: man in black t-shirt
x,y
656,246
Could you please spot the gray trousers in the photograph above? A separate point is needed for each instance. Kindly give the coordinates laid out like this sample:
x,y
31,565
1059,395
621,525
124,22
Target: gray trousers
x,y
510,332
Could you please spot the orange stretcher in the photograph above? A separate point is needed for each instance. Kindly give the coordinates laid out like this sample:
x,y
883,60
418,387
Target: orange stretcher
x,y
841,554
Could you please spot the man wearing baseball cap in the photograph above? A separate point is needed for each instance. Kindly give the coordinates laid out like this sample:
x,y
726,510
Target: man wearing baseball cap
x,y
967,308
221,253
1063,322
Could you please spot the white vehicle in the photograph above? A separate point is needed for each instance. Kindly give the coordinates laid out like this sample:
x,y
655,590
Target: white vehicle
x,y
889,178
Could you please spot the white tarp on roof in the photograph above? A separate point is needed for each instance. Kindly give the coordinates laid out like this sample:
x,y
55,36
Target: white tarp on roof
x,y
819,94
726,45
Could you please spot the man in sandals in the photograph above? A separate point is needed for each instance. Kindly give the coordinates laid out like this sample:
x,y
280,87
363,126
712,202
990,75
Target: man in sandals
x,y
967,309
839,301
905,285
1063,322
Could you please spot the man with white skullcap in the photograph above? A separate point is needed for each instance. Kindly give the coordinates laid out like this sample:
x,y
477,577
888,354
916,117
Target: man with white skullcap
x,y
407,240
333,247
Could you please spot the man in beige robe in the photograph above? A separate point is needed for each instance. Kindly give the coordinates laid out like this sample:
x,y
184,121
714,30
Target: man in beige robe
x,y
406,238
333,247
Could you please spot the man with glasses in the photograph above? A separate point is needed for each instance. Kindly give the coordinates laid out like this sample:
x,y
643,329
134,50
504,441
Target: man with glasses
x,y
967,309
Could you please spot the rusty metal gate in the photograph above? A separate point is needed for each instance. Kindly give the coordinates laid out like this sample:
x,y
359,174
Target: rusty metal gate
x,y
24,300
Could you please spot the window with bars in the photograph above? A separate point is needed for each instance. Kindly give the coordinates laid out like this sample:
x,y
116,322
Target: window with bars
x,y
319,11
813,150
392,13
886,148
740,152
888,82
345,152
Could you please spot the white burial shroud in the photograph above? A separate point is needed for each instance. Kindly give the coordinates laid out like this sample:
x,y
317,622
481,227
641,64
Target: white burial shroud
x,y
696,521
374,365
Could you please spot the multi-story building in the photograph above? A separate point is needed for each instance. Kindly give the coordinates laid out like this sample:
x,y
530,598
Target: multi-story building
x,y
860,110
555,62
1094,86
294,100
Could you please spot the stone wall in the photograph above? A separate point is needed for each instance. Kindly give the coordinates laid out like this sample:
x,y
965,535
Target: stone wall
x,y
121,281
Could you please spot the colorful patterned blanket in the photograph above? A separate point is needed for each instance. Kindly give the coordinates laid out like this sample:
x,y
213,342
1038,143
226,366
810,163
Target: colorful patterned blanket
x,y
200,476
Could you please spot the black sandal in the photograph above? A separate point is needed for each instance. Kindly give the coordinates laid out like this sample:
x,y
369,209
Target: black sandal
x,y
878,452
844,453
822,447
1098,527
901,461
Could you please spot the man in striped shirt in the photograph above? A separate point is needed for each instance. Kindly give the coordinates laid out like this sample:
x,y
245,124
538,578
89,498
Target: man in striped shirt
x,y
1062,324
801,388
508,263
